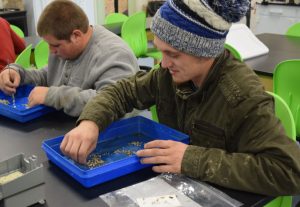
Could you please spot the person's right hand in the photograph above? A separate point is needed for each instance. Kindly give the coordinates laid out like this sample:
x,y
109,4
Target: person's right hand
x,y
80,141
9,81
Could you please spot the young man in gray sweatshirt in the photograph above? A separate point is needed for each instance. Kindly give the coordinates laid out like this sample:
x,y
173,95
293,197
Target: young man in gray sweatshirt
x,y
83,59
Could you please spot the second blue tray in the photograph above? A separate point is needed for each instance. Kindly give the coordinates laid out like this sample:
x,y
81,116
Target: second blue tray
x,y
115,151
20,111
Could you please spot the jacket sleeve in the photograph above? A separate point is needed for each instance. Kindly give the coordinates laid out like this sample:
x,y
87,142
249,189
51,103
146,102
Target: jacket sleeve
x,y
114,101
266,161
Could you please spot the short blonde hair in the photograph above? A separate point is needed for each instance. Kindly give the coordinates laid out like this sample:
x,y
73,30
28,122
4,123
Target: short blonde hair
x,y
60,18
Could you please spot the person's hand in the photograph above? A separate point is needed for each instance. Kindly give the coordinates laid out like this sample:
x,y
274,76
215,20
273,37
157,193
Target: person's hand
x,y
80,141
9,81
37,96
167,155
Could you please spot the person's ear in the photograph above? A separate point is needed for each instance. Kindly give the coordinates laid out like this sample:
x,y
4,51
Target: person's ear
x,y
76,36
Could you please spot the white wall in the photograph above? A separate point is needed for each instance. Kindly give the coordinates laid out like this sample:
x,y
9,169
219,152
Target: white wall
x,y
34,9
94,9
136,5
30,18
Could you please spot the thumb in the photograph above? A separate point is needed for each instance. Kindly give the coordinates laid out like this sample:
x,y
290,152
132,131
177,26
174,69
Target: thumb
x,y
16,79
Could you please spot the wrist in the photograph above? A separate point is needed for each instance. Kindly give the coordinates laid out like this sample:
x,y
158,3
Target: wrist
x,y
89,125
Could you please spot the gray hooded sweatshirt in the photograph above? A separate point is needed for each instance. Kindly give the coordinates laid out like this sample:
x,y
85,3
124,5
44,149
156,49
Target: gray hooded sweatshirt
x,y
106,59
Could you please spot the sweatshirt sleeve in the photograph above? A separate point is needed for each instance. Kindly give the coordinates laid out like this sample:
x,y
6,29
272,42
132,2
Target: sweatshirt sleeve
x,y
117,65
31,76
70,99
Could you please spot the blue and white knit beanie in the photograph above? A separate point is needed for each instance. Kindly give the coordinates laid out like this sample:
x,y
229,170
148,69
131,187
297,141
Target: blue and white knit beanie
x,y
197,27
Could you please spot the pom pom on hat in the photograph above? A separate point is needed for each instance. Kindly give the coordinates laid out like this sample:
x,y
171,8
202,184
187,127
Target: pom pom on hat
x,y
230,10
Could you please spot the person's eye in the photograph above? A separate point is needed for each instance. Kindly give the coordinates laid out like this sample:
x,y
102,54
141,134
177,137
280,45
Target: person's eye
x,y
173,55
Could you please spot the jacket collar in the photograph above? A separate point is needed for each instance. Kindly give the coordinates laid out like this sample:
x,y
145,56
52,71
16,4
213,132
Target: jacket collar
x,y
188,89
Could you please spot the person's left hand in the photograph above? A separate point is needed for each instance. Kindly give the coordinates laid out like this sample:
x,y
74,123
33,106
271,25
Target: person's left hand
x,y
37,96
166,154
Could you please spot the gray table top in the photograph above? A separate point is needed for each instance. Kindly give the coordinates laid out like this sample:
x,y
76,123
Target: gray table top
x,y
60,188
280,47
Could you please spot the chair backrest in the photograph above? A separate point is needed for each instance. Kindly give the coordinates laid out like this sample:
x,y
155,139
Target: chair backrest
x,y
17,30
284,113
286,80
294,30
23,58
115,17
41,54
153,108
280,201
233,51
134,33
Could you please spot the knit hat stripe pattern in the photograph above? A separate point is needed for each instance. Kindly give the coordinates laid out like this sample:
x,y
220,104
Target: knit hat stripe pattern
x,y
178,14
205,11
197,27
186,41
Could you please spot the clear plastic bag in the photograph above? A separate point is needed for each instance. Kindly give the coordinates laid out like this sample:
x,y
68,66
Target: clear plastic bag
x,y
118,198
187,191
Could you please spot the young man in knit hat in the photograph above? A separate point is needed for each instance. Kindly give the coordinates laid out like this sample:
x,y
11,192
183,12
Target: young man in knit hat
x,y
235,139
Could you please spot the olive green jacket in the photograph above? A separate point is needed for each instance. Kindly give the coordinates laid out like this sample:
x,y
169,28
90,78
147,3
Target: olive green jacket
x,y
235,139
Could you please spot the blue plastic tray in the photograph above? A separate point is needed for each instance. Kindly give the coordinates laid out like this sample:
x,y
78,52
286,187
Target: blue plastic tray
x,y
117,146
20,111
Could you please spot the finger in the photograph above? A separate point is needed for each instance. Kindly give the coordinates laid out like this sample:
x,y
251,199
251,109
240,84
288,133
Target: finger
x,y
155,160
164,169
9,90
73,153
159,144
8,84
31,101
63,144
68,147
85,149
16,81
30,94
152,152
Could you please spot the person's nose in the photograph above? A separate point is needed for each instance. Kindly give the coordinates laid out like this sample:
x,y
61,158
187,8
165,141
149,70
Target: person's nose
x,y
166,62
53,50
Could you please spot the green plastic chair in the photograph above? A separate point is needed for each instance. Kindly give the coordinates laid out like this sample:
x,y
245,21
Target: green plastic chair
x,y
134,33
17,30
281,201
115,18
234,52
24,57
154,113
286,80
294,30
41,54
284,113
153,108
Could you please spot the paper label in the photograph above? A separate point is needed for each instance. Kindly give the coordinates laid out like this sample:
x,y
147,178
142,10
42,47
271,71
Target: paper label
x,y
159,201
